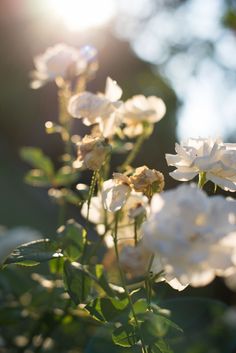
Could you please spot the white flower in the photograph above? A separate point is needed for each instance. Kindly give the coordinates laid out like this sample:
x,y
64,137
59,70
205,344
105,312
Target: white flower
x,y
62,61
136,205
99,109
135,261
210,156
140,109
11,239
189,231
115,192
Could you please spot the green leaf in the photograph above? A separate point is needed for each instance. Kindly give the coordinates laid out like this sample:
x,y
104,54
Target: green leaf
x,y
125,336
94,309
155,326
37,177
37,159
72,239
140,306
76,283
33,253
98,271
71,197
66,176
115,309
162,347
109,309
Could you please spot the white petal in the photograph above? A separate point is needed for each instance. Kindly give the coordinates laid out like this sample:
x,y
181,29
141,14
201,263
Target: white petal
x,y
113,92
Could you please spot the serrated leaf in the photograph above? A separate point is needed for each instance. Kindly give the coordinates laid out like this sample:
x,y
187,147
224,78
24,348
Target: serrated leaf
x,y
125,336
33,253
76,283
35,157
37,177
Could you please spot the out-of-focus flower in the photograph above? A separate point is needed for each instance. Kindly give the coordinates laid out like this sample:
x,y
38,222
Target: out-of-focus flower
x,y
135,206
11,239
191,233
217,160
62,61
147,181
102,109
139,110
115,192
135,261
92,152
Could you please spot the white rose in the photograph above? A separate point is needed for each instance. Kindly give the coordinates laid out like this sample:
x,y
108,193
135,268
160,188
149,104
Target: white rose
x,y
140,109
102,109
187,229
212,157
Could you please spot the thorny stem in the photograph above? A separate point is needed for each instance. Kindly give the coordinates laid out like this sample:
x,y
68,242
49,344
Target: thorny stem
x,y
122,277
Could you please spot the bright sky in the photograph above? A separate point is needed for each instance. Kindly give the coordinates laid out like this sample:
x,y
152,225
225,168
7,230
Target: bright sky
x,y
79,15
207,92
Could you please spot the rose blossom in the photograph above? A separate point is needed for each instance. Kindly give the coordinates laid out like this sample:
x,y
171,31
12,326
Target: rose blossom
x,y
140,109
61,61
99,109
135,206
189,231
217,160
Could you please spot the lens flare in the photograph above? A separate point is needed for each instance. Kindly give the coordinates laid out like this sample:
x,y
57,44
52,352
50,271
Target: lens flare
x,y
80,15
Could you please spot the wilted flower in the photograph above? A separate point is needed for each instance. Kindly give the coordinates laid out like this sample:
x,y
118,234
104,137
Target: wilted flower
x,y
99,109
189,231
147,181
217,160
61,61
92,152
141,109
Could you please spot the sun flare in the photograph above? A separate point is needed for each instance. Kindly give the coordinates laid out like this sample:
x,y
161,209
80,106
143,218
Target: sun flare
x,y
79,15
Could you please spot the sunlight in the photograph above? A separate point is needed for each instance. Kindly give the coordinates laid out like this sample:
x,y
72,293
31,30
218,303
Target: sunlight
x,y
79,15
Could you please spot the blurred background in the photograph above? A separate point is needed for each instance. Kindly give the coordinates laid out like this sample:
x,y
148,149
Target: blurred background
x,y
181,50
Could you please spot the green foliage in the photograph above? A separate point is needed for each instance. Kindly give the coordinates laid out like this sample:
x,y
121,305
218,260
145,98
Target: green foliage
x,y
125,335
33,253
76,283
109,309
85,281
71,238
65,176
35,157
36,177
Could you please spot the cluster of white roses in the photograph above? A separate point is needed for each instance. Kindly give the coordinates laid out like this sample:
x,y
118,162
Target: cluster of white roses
x,y
184,233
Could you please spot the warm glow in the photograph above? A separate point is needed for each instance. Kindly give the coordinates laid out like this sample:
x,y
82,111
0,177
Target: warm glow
x,y
80,15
